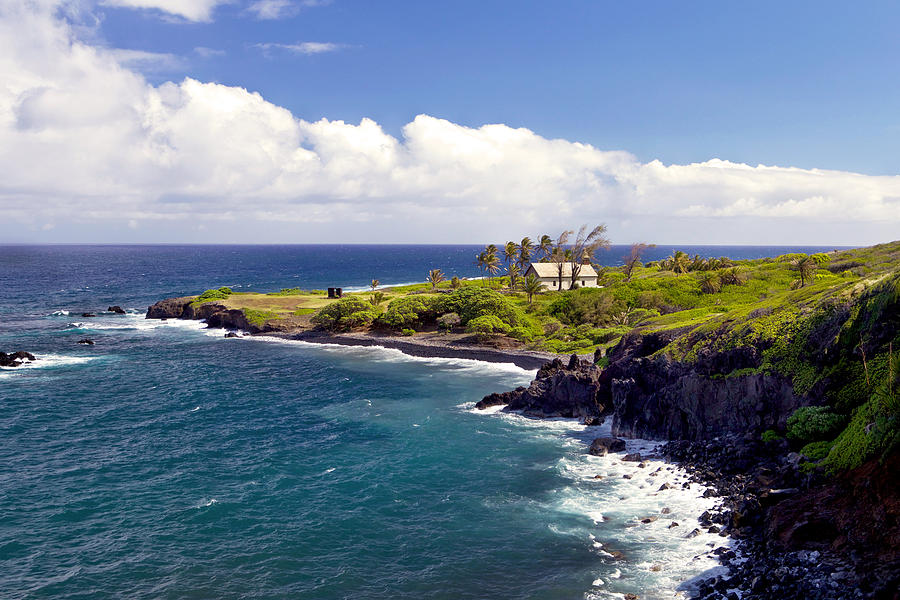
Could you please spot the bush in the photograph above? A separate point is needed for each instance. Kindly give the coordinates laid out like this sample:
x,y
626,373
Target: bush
x,y
408,332
259,317
286,292
523,334
359,318
409,311
448,321
473,302
770,435
487,325
816,450
216,294
333,315
813,424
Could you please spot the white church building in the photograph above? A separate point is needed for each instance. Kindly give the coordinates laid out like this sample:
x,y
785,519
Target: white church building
x,y
548,274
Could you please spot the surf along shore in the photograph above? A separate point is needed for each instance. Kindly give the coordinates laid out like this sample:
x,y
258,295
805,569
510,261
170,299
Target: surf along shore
x,y
775,381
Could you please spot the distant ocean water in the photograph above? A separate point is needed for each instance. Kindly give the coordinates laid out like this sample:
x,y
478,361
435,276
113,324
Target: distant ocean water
x,y
168,462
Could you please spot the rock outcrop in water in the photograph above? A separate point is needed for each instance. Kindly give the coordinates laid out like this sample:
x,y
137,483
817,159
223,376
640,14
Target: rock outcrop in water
x,y
558,390
215,314
15,359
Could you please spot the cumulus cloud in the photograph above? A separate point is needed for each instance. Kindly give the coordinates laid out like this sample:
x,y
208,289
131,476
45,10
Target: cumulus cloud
x,y
87,143
191,10
141,60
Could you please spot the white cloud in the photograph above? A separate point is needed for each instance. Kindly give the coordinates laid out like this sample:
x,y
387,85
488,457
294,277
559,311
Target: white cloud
x,y
208,52
191,10
273,9
144,61
300,47
86,142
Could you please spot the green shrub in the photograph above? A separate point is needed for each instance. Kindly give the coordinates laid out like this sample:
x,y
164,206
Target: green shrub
x,y
813,424
770,435
216,294
473,302
408,331
448,321
523,334
359,318
330,317
304,311
286,292
259,317
487,325
816,450
410,311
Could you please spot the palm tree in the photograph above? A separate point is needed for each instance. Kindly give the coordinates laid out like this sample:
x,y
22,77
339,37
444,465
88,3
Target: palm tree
x,y
710,282
481,261
586,243
374,284
492,265
545,246
435,276
807,266
633,259
525,250
376,298
510,250
732,276
532,286
679,262
514,273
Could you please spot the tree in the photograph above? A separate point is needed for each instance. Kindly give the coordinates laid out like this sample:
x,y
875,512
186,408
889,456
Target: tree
x,y
710,282
514,273
586,243
376,298
374,284
806,266
492,265
633,258
559,255
678,262
510,251
454,283
525,251
545,246
532,286
435,276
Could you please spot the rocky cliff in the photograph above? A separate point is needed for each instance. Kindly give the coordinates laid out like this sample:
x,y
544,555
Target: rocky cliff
x,y
215,314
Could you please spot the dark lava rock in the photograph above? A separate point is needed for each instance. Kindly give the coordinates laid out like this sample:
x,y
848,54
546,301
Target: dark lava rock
x,y
170,308
86,342
116,309
633,457
88,315
231,334
15,359
558,390
604,445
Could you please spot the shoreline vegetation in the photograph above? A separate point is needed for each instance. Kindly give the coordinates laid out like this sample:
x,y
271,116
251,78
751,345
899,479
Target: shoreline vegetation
x,y
779,377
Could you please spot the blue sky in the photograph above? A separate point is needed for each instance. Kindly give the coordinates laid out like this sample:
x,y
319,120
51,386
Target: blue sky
x,y
315,120
807,84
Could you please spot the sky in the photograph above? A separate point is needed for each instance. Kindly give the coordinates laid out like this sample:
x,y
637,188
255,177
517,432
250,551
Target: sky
x,y
352,121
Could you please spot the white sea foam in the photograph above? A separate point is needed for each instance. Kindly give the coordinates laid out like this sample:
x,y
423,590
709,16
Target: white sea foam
x,y
392,355
135,321
60,313
659,558
208,503
49,361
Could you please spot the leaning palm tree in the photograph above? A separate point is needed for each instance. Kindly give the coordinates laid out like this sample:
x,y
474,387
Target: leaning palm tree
x,y
514,274
481,261
435,276
586,243
679,261
374,284
532,286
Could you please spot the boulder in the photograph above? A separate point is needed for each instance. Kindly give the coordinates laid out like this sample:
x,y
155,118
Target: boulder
x,y
633,457
603,445
231,334
170,308
15,359
116,309
87,314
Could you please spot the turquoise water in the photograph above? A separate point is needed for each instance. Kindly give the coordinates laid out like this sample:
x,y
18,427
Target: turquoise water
x,y
169,462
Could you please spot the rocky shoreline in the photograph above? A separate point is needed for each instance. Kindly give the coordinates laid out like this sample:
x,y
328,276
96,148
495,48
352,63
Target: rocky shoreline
x,y
800,533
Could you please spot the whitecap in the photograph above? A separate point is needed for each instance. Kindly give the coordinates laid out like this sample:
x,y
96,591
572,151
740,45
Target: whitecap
x,y
60,313
49,361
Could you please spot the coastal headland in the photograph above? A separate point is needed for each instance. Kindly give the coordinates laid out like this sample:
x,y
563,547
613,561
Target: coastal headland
x,y
776,381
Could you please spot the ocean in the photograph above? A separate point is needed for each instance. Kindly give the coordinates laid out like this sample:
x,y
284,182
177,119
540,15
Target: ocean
x,y
168,462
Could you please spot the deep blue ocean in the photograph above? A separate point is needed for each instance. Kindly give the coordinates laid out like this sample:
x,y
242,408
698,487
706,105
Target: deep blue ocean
x,y
168,462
